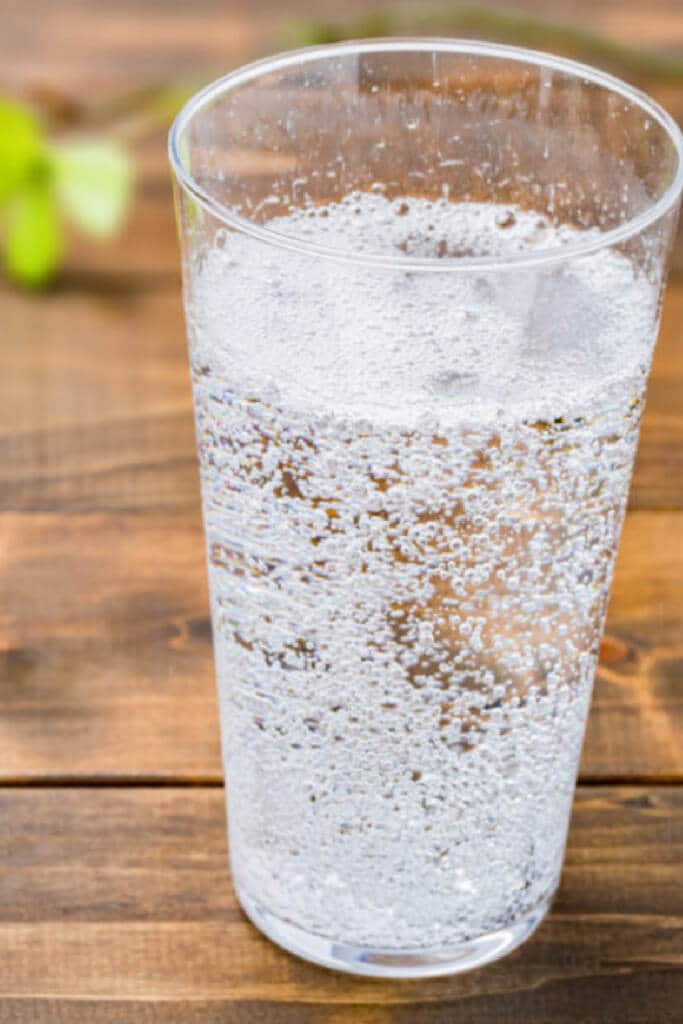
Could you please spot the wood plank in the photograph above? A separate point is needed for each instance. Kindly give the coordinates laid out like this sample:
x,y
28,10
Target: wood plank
x,y
95,401
122,898
106,665
106,668
115,906
636,720
90,352
581,1000
136,463
658,474
113,41
98,414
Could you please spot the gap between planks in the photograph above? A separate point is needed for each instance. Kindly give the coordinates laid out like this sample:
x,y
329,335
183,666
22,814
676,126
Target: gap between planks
x,y
213,782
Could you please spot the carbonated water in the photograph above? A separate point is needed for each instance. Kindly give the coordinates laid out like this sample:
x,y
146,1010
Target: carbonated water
x,y
412,508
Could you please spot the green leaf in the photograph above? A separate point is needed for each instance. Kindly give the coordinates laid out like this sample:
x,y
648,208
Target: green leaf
x,y
94,184
33,236
22,146
316,31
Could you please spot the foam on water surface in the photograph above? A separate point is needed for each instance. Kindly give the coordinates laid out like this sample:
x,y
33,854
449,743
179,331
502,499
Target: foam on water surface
x,y
395,346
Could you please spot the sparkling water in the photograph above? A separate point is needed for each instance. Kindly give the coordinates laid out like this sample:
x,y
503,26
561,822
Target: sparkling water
x,y
413,485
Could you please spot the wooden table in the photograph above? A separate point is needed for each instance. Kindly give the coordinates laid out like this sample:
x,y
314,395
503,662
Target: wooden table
x,y
115,898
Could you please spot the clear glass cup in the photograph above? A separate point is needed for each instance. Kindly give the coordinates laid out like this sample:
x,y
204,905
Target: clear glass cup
x,y
422,284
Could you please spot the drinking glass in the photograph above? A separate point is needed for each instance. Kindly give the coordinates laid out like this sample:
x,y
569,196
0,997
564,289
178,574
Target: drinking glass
x,y
422,285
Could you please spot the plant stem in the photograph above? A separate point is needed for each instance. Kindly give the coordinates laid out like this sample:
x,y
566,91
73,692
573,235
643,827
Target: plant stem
x,y
494,23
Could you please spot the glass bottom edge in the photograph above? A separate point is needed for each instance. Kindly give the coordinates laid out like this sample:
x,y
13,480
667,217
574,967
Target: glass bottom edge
x,y
379,962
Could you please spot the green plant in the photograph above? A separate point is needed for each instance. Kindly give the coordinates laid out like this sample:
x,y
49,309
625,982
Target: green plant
x,y
505,25
46,182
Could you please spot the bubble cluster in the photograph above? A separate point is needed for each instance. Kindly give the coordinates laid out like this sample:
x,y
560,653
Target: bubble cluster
x,y
413,485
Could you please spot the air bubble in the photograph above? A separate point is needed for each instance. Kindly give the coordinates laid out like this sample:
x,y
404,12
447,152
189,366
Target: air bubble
x,y
401,475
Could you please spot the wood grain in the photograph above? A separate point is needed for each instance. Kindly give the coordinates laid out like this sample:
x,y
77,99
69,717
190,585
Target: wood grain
x,y
98,414
636,720
107,44
658,475
115,903
121,896
106,653
107,672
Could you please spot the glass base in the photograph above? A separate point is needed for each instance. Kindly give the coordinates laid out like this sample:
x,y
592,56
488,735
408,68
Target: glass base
x,y
393,963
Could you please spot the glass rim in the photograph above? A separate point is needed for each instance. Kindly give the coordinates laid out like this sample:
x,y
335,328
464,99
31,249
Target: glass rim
x,y
291,58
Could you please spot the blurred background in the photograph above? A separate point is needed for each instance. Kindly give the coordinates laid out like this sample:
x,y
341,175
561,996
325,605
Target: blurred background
x,y
101,86
104,630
